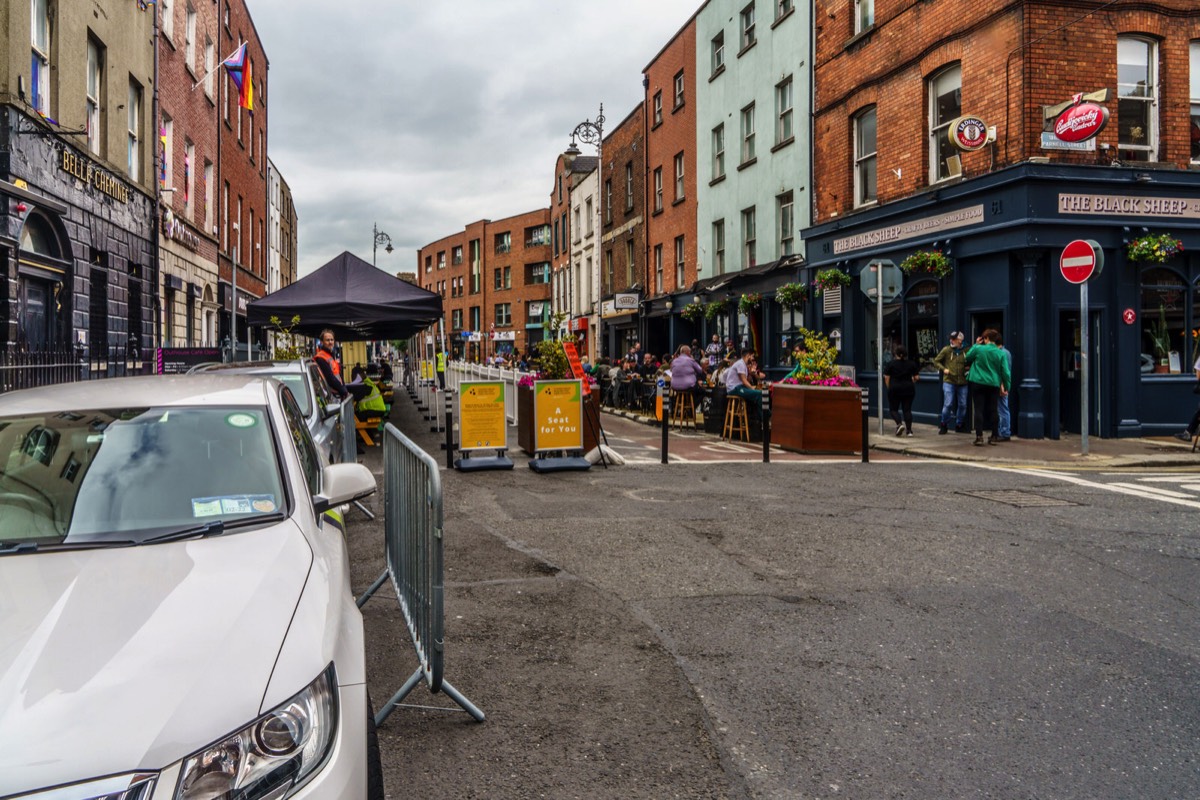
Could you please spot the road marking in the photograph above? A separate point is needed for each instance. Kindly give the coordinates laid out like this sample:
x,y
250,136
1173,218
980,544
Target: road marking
x,y
1137,491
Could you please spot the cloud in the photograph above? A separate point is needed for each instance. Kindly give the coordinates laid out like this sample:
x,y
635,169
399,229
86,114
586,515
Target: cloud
x,y
422,117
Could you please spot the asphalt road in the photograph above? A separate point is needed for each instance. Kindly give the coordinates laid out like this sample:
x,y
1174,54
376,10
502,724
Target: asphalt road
x,y
804,629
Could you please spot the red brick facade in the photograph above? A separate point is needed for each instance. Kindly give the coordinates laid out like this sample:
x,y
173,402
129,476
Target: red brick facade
x,y
624,199
1015,60
670,109
488,275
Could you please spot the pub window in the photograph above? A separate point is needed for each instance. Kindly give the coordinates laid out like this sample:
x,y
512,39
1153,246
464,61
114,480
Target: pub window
x,y
1137,95
892,335
1194,73
1166,342
945,103
921,323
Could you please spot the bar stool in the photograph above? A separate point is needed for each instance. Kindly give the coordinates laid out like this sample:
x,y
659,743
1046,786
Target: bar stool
x,y
683,409
736,421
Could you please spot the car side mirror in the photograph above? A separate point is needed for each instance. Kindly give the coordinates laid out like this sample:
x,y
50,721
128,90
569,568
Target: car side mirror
x,y
343,483
332,409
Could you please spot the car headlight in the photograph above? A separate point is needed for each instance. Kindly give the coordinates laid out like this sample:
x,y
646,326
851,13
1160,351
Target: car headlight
x,y
271,755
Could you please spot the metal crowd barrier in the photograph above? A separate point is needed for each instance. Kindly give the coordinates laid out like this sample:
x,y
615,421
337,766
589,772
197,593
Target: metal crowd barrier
x,y
412,524
349,433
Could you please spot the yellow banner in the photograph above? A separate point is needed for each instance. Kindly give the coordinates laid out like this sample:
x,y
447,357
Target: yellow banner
x,y
427,370
558,415
481,419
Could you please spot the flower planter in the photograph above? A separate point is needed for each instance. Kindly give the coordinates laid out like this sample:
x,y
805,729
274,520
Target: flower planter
x,y
820,419
525,419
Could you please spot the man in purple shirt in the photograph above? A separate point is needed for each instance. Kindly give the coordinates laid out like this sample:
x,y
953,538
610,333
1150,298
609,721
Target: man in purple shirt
x,y
685,372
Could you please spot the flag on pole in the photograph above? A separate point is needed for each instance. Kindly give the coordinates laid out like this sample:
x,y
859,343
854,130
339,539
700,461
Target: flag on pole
x,y
239,71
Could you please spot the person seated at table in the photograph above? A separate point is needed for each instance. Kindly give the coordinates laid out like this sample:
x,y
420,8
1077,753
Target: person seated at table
x,y
737,382
647,368
686,373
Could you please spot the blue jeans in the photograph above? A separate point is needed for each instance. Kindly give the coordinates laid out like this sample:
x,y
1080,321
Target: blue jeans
x,y
954,397
1005,424
753,398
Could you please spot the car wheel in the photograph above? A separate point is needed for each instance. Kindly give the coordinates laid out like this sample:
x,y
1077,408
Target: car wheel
x,y
374,766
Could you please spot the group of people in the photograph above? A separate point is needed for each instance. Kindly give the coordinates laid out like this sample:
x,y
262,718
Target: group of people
x,y
984,370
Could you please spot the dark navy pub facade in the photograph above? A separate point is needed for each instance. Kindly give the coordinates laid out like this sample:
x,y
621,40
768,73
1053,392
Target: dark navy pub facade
x,y
1004,233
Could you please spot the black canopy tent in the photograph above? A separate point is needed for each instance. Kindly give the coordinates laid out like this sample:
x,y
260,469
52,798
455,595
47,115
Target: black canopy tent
x,y
356,300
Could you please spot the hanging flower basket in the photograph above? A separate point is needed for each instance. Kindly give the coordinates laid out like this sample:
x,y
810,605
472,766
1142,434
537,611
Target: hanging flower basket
x,y
715,309
1154,248
749,302
692,312
831,278
791,295
932,261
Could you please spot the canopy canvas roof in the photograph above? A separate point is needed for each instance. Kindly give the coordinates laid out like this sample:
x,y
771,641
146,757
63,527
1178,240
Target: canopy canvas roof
x,y
356,300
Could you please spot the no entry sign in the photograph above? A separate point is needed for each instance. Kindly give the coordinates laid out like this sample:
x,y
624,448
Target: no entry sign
x,y
1080,260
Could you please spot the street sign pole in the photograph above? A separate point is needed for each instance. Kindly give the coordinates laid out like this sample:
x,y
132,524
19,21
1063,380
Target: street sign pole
x,y
1083,367
879,343
1080,261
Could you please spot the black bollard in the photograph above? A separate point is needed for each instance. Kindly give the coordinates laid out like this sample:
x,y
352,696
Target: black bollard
x,y
449,433
866,423
666,419
766,424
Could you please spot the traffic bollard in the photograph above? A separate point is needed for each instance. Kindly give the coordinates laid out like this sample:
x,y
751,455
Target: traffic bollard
x,y
766,424
866,423
665,399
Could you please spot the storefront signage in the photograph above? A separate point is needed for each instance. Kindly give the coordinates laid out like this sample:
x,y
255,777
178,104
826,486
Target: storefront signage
x,y
481,417
176,231
1124,205
908,230
608,308
558,415
968,133
1052,142
1080,123
1129,316
178,360
504,336
579,324
99,179
625,301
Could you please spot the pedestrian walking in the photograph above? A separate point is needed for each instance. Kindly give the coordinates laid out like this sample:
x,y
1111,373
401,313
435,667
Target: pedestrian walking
x,y
900,377
1193,426
989,378
952,366
1003,417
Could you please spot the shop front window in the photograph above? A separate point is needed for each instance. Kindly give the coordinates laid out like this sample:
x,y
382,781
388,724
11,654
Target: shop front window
x,y
1166,340
892,335
921,323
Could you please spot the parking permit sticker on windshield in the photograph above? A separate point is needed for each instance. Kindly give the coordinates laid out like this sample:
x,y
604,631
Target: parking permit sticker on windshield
x,y
233,504
241,420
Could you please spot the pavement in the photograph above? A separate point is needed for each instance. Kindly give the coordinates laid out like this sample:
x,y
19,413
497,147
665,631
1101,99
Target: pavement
x,y
1066,452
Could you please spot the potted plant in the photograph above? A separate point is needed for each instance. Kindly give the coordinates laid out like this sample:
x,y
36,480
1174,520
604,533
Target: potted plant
x,y
692,312
830,278
934,262
1154,248
816,409
748,302
1160,336
791,295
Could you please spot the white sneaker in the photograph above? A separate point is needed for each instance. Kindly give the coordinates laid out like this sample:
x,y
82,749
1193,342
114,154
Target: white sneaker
x,y
910,433
899,430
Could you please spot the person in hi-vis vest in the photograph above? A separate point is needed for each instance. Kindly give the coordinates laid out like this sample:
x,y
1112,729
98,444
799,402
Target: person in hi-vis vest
x,y
441,369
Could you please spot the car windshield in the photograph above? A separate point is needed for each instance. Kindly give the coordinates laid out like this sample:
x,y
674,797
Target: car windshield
x,y
132,474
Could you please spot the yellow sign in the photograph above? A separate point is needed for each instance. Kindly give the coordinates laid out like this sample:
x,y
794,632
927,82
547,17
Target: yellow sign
x,y
427,370
558,415
481,419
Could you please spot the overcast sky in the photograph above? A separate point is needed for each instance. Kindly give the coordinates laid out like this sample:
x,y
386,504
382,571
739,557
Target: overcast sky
x,y
425,116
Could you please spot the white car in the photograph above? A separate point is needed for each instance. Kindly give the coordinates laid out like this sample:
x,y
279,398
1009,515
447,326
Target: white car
x,y
176,619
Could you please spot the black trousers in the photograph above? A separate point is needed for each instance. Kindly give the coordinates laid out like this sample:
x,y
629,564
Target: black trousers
x,y
987,406
900,400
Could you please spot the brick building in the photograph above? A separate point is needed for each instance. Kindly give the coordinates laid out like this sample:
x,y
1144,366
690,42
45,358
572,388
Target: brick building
x,y
898,84
569,171
494,278
669,81
623,256
244,201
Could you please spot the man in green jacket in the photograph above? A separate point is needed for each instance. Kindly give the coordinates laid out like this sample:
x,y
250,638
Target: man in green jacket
x,y
990,378
952,365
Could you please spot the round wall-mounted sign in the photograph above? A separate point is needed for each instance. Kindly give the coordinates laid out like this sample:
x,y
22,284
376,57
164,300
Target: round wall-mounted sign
x,y
1129,316
968,133
1080,123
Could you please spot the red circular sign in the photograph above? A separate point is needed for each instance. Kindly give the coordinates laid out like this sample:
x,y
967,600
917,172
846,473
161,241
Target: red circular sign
x,y
1080,123
968,133
1078,261
1129,315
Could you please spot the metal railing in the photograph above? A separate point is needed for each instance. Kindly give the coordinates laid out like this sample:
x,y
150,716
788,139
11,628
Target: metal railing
x,y
413,531
26,369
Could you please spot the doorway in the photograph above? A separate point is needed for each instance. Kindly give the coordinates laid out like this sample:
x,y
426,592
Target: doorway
x,y
1070,359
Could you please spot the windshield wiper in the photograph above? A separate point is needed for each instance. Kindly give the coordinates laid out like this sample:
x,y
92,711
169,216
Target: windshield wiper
x,y
18,547
214,528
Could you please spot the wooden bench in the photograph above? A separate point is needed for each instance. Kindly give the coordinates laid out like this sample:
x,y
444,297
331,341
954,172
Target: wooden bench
x,y
366,426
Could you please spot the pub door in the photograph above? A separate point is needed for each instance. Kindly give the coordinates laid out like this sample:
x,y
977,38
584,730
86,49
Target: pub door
x,y
1070,375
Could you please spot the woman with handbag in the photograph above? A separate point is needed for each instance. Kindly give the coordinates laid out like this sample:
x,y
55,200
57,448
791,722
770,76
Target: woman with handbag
x,y
1193,426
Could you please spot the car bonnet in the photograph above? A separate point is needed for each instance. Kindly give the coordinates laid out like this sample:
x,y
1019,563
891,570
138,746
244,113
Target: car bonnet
x,y
135,657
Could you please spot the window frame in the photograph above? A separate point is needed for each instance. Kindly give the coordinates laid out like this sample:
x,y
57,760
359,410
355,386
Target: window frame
x,y
41,37
134,121
748,135
680,261
784,127
786,223
658,189
1149,100
747,21
1194,97
717,54
718,152
864,162
679,177
93,90
864,15
718,245
657,108
679,91
749,237
937,126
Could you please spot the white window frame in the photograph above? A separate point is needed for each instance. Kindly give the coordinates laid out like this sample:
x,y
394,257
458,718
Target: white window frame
x,y
658,189
942,80
189,39
718,151
679,87
95,73
748,151
749,237
866,161
679,261
658,269
784,110
1148,96
208,195
1194,92
747,21
629,187
133,151
210,65
630,262
718,245
783,8
658,107
167,20
40,37
167,168
679,167
786,222
864,15
718,52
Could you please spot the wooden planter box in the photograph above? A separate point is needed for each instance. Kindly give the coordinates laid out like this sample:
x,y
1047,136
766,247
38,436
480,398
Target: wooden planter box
x,y
525,419
822,419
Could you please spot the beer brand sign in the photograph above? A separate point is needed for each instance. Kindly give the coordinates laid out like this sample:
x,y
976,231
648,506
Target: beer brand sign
x,y
968,133
1081,122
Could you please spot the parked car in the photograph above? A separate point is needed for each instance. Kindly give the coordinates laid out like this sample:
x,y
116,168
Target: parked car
x,y
321,407
175,593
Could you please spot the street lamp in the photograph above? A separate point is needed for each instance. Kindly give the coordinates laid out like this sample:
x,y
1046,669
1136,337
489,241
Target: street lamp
x,y
379,237
590,132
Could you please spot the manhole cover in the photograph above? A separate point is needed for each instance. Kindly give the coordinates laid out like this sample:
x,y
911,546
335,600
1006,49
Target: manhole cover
x,y
1020,499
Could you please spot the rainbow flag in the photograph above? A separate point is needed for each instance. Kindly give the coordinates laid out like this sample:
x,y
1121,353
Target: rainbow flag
x,y
239,72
